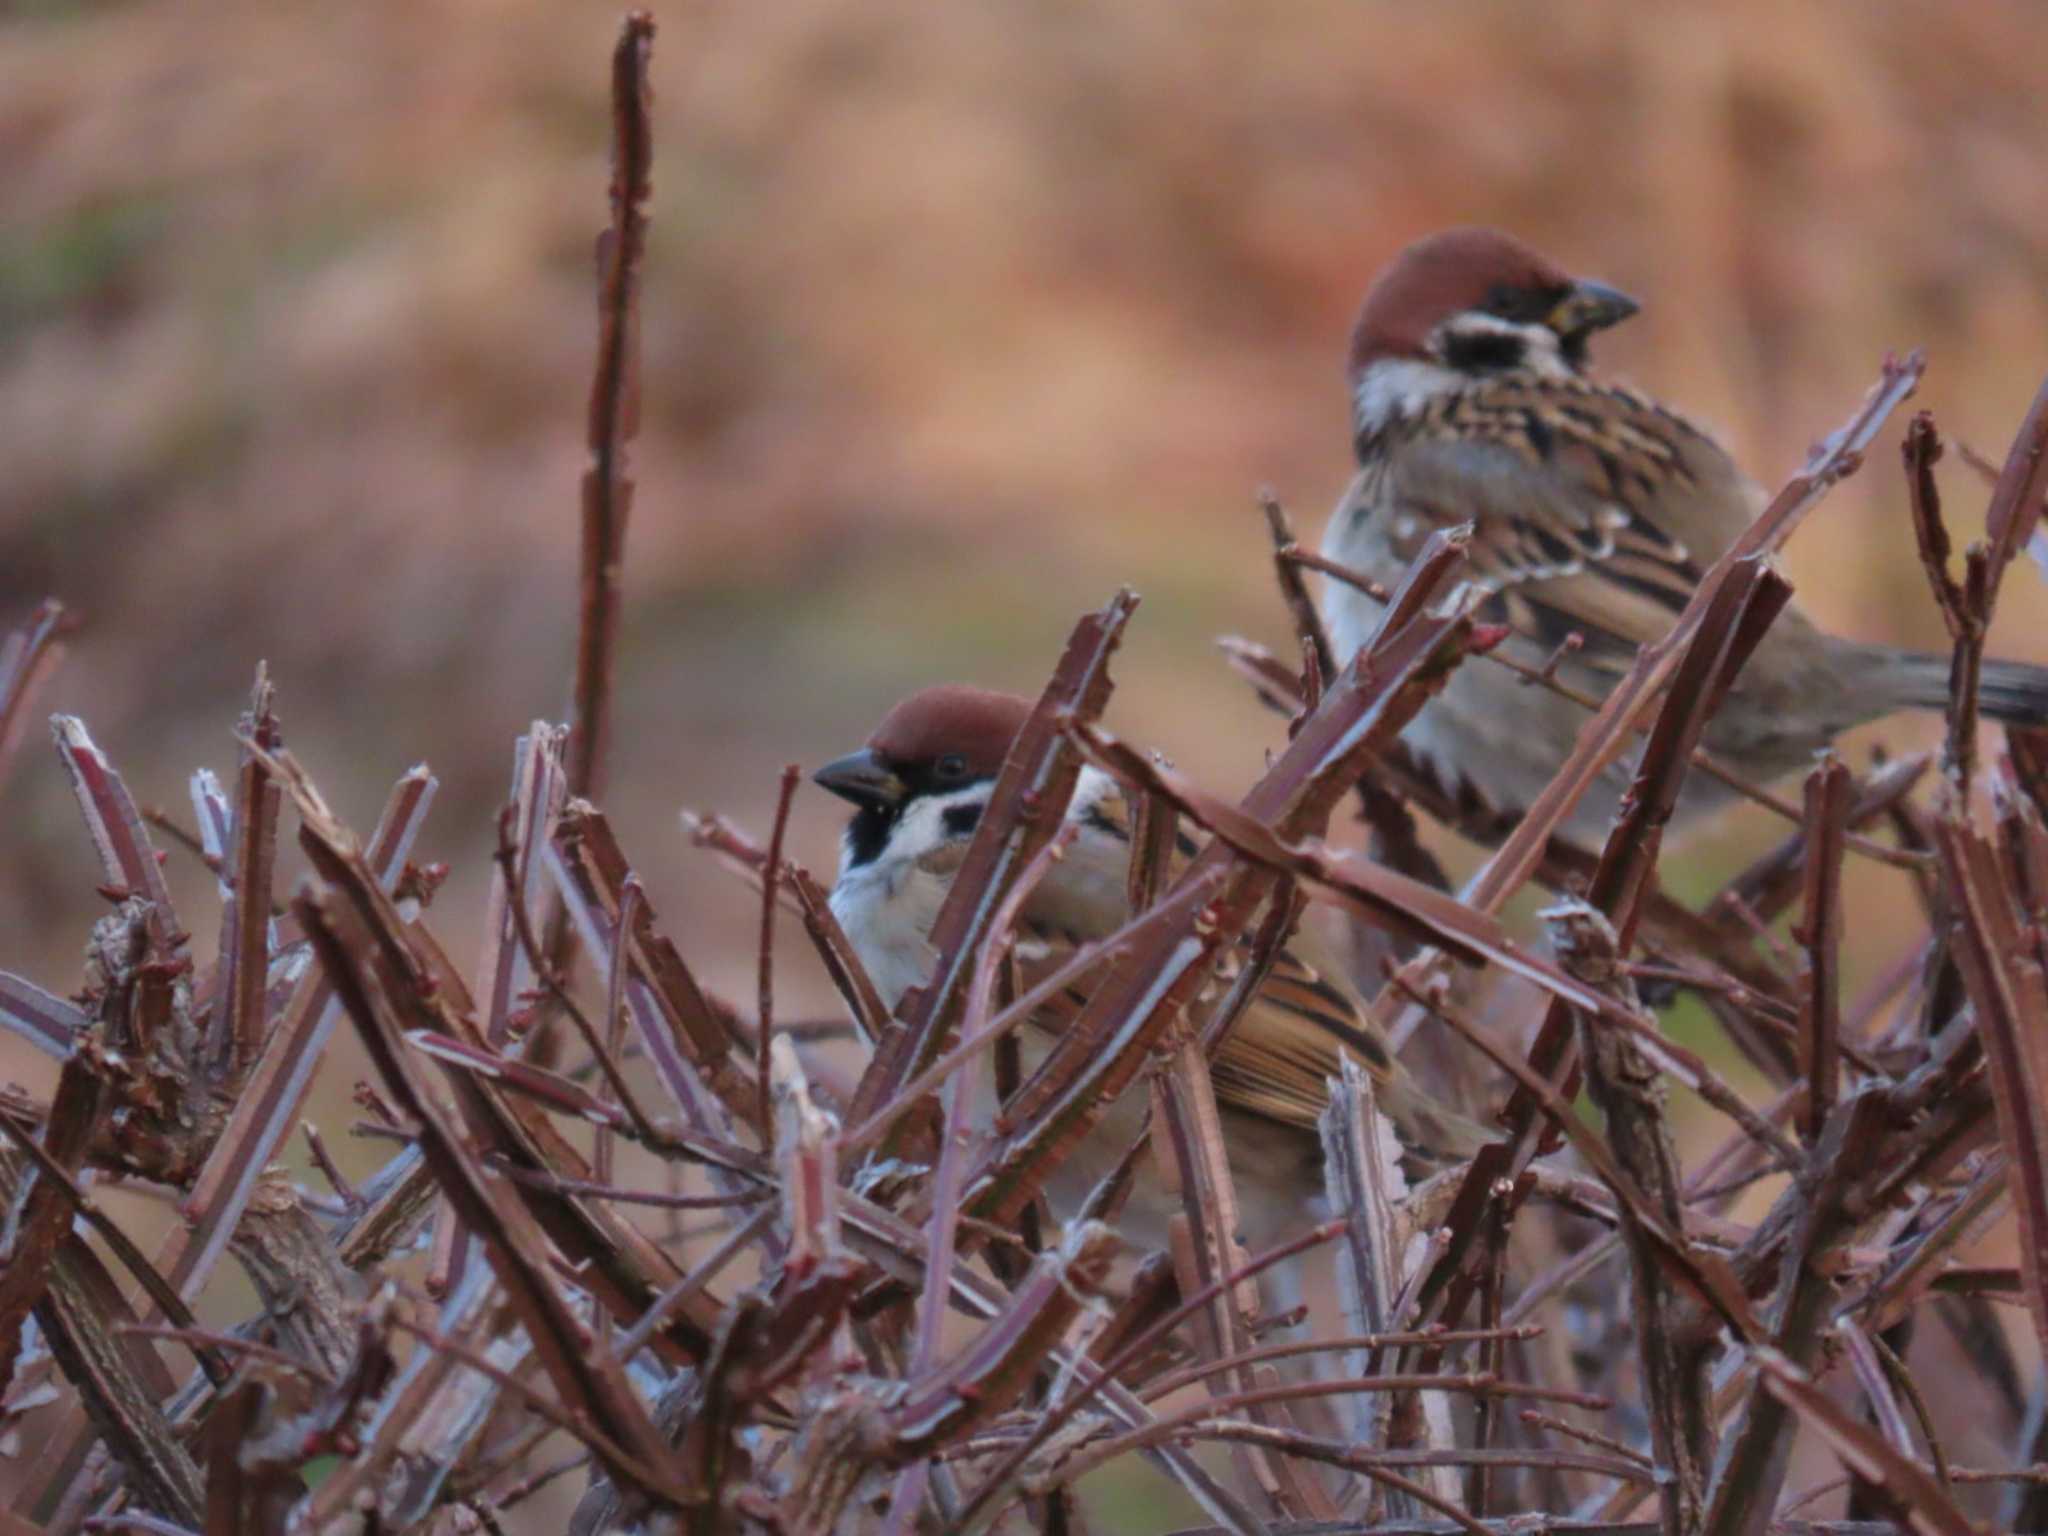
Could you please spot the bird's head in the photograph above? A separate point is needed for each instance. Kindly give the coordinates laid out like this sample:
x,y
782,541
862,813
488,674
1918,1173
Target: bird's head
x,y
943,744
1469,304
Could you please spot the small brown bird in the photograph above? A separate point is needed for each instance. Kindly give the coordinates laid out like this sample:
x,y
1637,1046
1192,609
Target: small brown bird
x,y
919,788
1595,511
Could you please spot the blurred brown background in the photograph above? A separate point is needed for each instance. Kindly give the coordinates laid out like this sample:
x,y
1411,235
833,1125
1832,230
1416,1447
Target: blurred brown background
x,y
955,317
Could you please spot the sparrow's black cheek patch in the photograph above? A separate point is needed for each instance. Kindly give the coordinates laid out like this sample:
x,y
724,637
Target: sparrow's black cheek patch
x,y
1482,351
961,820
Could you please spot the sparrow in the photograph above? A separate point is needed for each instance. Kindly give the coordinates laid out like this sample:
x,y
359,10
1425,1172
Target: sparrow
x,y
1595,510
919,788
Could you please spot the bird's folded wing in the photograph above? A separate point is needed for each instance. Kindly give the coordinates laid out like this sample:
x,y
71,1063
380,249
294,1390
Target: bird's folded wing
x,y
1593,509
1275,1061
1278,1057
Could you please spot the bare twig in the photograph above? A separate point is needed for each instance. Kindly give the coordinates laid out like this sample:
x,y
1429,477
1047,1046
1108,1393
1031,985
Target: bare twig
x,y
1827,822
28,655
1624,1084
1287,565
614,404
771,875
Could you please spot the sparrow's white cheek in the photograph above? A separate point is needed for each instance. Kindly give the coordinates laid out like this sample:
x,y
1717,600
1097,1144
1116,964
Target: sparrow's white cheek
x,y
1395,387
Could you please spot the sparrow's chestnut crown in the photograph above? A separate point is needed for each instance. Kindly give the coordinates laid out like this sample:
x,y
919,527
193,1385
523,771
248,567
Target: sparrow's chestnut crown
x,y
1482,272
938,739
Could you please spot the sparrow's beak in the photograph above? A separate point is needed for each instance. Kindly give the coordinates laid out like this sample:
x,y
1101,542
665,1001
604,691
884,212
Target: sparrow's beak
x,y
1590,307
863,778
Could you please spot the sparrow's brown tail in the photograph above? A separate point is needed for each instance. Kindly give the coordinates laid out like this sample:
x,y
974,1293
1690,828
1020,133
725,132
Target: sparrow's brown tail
x,y
2015,692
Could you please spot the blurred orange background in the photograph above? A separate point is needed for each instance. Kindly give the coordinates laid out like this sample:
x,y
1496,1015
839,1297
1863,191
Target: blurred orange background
x,y
954,318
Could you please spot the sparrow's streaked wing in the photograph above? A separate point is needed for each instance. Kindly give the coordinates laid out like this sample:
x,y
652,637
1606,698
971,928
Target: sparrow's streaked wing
x,y
1593,508
1278,1057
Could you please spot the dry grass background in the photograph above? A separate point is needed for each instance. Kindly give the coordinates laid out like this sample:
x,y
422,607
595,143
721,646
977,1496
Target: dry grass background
x,y
955,317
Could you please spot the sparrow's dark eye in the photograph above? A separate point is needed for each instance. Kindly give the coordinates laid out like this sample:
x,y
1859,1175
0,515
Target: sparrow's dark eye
x,y
1524,306
952,766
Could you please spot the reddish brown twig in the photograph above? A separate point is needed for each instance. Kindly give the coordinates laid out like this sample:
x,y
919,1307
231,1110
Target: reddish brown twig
x,y
1287,566
771,876
1827,825
614,405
